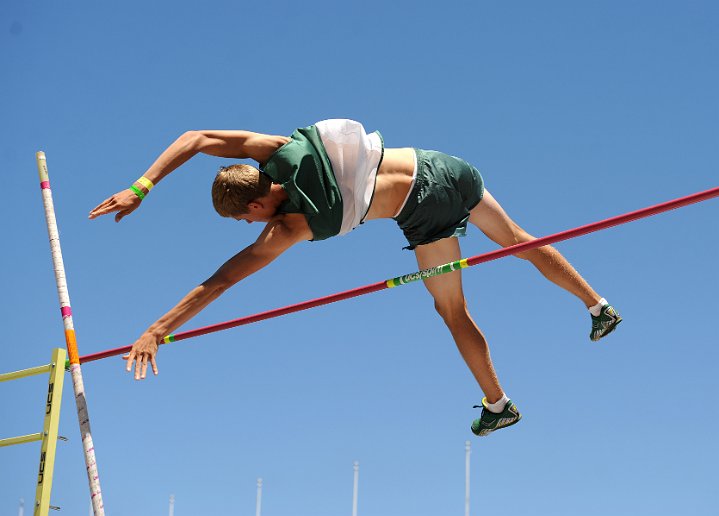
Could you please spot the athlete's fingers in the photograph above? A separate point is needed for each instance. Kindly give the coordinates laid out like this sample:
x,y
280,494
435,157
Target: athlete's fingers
x,y
144,367
130,358
103,203
100,207
103,211
154,366
138,366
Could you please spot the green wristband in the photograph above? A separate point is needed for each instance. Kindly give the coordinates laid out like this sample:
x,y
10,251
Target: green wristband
x,y
138,192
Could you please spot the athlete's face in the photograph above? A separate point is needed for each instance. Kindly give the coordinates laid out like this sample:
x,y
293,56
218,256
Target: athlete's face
x,y
259,211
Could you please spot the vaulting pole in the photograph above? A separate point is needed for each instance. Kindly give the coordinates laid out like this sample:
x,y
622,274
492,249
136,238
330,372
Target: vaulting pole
x,y
427,273
70,341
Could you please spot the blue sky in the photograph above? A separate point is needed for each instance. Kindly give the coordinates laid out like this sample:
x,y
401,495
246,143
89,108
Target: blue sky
x,y
573,111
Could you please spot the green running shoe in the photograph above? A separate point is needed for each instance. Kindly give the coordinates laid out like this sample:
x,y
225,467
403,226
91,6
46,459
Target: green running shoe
x,y
605,323
488,421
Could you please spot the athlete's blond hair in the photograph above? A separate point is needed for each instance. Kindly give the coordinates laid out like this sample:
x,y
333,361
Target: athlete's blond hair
x,y
235,187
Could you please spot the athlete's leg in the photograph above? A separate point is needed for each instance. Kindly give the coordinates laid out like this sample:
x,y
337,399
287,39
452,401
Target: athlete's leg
x,y
450,303
489,216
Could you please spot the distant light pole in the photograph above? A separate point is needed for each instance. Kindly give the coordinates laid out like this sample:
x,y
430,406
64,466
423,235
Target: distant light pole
x,y
21,511
355,489
258,506
172,505
467,451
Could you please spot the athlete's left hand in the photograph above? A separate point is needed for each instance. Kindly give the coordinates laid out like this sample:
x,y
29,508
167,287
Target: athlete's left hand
x,y
123,202
143,350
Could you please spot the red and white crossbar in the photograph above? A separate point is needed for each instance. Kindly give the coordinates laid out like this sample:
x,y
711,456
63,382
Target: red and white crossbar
x,y
442,269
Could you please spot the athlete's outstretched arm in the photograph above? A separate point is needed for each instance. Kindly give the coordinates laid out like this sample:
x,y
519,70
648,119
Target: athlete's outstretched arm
x,y
279,235
225,144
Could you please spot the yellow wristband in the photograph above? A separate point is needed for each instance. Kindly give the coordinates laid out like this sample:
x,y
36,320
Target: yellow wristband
x,y
146,183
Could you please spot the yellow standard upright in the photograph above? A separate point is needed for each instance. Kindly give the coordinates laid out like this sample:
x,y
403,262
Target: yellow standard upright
x,y
51,423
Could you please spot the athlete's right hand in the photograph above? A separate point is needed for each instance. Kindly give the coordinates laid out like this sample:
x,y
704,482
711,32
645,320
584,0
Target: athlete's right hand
x,y
124,203
143,351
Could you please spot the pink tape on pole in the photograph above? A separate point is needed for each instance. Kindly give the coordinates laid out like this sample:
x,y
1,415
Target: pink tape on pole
x,y
66,311
44,184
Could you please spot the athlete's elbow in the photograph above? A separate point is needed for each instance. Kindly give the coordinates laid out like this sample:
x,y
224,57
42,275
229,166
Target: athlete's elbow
x,y
218,284
192,140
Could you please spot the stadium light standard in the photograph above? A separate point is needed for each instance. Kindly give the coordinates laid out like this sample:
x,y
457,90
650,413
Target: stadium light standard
x,y
355,466
258,504
467,451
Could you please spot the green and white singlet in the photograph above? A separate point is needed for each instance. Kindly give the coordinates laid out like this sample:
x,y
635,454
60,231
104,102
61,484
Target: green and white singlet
x,y
328,171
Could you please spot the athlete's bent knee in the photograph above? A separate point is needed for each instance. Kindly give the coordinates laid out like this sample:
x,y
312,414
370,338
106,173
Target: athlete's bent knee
x,y
452,311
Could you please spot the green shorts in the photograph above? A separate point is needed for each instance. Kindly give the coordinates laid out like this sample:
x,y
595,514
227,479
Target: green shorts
x,y
445,190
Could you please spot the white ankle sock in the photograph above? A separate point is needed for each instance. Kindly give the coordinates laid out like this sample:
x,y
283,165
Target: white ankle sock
x,y
498,406
597,309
